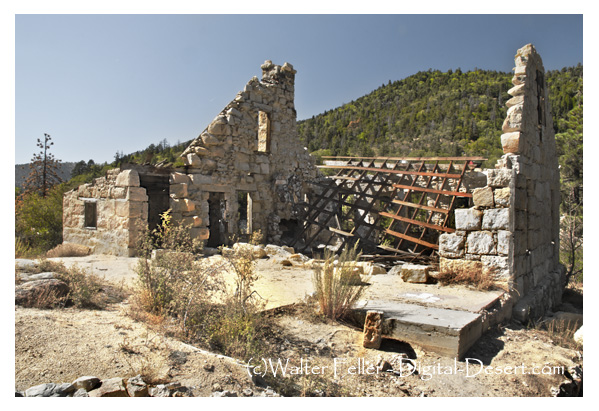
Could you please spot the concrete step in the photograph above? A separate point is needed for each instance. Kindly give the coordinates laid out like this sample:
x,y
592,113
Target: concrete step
x,y
444,331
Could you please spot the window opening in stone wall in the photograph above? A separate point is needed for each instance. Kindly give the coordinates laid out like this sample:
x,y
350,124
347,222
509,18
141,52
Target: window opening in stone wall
x,y
540,103
244,212
263,132
91,215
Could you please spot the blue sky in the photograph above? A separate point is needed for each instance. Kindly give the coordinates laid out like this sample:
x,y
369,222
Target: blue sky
x,y
106,83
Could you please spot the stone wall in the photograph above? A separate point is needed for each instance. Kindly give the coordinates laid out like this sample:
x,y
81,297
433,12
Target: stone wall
x,y
251,148
512,232
247,171
120,206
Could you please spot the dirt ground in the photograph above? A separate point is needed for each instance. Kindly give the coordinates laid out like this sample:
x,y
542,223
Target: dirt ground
x,y
323,358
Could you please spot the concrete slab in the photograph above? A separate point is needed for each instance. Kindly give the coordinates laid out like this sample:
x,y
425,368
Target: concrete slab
x,y
392,288
446,320
446,332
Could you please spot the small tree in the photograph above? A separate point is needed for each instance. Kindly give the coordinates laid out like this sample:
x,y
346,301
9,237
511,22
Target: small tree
x,y
571,236
44,170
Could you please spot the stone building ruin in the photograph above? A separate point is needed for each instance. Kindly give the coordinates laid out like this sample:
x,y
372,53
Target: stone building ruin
x,y
247,171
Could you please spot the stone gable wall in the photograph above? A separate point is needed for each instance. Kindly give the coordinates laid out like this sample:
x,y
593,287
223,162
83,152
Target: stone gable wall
x,y
229,156
512,232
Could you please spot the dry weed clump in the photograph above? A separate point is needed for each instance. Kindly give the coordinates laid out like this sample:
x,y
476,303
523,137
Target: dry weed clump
x,y
561,332
481,280
22,249
50,295
85,290
336,290
68,250
179,287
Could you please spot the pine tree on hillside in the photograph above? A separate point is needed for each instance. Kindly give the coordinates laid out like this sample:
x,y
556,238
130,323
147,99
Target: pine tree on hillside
x,y
43,174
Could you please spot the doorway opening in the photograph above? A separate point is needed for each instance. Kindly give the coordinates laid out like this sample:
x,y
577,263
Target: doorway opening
x,y
157,189
218,226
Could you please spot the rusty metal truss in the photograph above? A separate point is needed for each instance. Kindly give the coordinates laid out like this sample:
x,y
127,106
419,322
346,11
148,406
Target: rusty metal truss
x,y
397,204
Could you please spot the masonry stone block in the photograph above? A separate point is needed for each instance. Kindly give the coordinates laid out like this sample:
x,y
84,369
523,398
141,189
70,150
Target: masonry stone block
x,y
200,233
200,151
182,205
193,160
474,179
517,90
193,221
513,121
127,178
496,219
520,199
211,139
458,265
373,325
511,143
515,101
502,196
497,266
414,273
137,194
504,238
136,209
468,219
499,177
481,242
178,190
179,178
118,192
451,245
483,197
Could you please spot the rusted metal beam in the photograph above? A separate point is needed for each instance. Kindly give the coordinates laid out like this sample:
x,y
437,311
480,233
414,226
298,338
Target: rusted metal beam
x,y
432,190
412,239
373,185
420,206
391,171
408,158
416,222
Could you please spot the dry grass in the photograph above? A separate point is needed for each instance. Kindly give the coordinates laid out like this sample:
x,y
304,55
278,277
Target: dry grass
x,y
477,278
336,291
68,250
86,290
44,298
561,332
190,297
22,250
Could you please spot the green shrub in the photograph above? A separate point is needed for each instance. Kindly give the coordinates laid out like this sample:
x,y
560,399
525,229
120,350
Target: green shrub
x,y
38,220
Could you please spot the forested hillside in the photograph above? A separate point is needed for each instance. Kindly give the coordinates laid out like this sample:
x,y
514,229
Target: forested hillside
x,y
432,113
22,171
